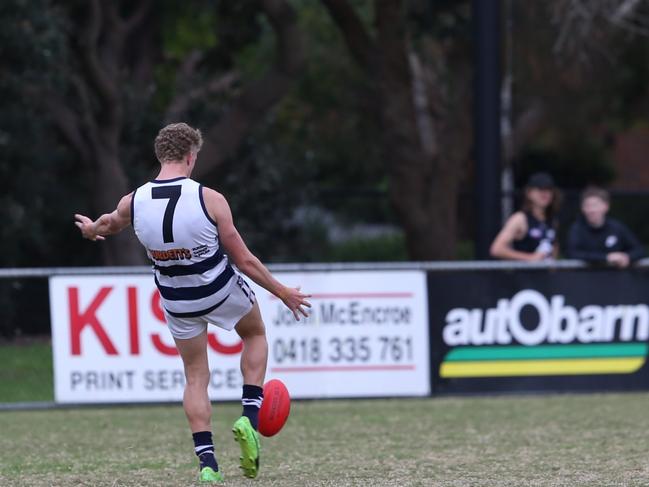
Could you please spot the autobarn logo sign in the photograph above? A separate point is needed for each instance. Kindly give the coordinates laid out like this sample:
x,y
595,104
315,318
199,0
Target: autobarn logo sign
x,y
559,330
537,351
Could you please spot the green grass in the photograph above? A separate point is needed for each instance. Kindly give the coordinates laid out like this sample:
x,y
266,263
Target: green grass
x,y
26,372
566,440
561,440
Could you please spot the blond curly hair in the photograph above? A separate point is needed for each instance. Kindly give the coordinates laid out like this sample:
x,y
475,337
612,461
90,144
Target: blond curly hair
x,y
177,140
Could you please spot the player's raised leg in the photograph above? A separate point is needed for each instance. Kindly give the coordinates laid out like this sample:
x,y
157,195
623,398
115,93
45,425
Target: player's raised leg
x,y
197,404
253,368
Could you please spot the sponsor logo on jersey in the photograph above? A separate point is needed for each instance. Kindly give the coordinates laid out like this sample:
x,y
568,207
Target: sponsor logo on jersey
x,y
171,254
611,240
200,251
550,338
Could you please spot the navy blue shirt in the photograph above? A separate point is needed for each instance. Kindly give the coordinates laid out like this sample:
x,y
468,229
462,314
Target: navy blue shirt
x,y
540,236
593,244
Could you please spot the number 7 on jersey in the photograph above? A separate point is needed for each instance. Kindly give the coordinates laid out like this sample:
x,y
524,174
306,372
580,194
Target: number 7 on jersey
x,y
172,193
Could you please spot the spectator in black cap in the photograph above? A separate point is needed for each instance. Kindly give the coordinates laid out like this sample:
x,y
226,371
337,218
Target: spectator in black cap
x,y
598,238
530,234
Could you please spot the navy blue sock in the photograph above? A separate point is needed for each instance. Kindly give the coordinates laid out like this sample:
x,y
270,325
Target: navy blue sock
x,y
251,400
204,449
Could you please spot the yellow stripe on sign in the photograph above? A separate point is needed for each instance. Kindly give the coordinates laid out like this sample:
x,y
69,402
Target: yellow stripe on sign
x,y
512,368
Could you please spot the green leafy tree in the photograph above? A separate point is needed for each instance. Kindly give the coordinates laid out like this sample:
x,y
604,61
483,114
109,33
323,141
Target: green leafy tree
x,y
35,168
118,82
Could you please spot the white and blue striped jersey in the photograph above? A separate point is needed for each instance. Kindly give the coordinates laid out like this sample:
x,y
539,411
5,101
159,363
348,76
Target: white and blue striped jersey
x,y
171,221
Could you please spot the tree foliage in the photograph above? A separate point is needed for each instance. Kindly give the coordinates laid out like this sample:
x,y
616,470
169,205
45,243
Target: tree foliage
x,y
315,114
123,68
35,167
577,81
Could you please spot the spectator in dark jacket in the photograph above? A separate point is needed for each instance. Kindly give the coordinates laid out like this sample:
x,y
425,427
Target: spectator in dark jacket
x,y
597,238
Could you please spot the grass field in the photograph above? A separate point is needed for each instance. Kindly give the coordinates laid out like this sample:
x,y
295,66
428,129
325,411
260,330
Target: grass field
x,y
571,440
26,372
561,440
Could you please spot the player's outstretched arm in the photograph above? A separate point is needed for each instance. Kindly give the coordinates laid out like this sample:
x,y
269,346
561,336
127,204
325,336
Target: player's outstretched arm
x,y
108,223
251,266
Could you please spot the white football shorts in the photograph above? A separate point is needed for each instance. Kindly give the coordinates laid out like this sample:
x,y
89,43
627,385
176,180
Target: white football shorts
x,y
239,303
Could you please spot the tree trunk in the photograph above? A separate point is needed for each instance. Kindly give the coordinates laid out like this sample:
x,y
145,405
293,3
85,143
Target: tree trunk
x,y
92,124
426,208
423,176
434,237
109,187
423,183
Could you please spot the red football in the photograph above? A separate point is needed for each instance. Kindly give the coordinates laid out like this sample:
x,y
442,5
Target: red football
x,y
275,408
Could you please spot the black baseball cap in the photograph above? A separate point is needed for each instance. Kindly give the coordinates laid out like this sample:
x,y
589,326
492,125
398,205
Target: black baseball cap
x,y
540,180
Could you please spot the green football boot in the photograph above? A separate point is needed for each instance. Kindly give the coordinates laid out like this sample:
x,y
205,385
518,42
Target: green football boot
x,y
209,475
248,440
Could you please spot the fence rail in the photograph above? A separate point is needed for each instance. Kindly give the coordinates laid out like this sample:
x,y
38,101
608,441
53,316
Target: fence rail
x,y
435,266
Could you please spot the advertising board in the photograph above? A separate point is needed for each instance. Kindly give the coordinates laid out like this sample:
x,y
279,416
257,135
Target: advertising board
x,y
539,330
367,336
111,344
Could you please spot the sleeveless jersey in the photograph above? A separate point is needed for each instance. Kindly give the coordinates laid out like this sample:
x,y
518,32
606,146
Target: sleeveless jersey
x,y
171,221
540,236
